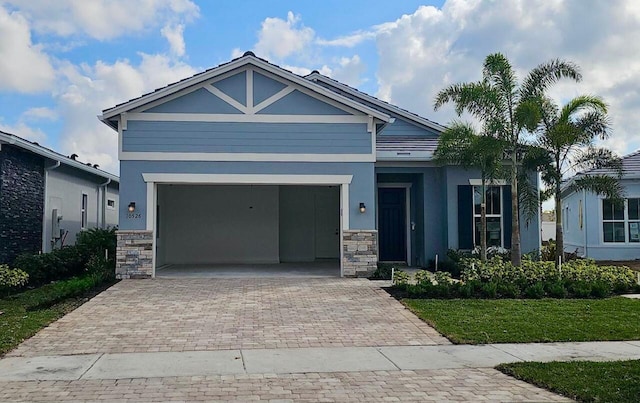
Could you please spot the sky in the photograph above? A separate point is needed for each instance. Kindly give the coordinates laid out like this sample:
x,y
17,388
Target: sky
x,y
62,62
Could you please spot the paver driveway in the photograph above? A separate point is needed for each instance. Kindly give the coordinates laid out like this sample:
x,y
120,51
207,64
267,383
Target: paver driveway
x,y
213,314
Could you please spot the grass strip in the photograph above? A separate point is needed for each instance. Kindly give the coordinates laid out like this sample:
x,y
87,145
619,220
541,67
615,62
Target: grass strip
x,y
585,381
479,321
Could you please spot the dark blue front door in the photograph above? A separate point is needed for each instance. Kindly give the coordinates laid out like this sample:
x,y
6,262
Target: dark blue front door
x,y
392,230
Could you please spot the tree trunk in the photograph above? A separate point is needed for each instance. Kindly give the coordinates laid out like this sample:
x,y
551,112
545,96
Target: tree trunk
x,y
559,230
483,223
516,251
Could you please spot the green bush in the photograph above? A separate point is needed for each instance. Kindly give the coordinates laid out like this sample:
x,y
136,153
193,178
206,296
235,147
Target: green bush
x,y
401,277
423,277
497,278
11,279
383,272
535,291
69,261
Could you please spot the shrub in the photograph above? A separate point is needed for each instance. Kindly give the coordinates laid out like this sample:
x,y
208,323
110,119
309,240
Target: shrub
x,y
11,279
401,277
580,289
442,277
555,289
69,261
383,272
423,277
490,290
535,291
548,251
508,290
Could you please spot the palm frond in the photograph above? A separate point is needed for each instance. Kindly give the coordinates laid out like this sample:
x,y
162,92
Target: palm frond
x,y
543,76
604,185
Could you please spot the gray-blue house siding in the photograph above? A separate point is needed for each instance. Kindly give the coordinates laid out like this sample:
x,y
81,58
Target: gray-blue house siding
x,y
596,229
248,123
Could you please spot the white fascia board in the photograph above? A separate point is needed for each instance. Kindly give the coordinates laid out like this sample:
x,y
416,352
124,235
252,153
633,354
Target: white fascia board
x,y
248,179
244,157
245,118
399,111
36,149
234,65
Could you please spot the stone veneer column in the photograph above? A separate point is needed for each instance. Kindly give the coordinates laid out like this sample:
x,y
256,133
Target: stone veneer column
x,y
359,253
134,254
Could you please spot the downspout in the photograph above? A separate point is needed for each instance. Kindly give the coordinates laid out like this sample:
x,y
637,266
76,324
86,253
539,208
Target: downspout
x,y
584,222
46,206
104,202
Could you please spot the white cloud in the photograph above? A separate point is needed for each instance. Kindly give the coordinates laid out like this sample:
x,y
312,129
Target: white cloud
x,y
21,129
40,113
348,41
279,38
24,67
421,53
174,35
89,89
103,19
349,71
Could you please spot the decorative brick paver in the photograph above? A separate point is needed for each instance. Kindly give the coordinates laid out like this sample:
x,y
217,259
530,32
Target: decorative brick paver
x,y
213,314
393,386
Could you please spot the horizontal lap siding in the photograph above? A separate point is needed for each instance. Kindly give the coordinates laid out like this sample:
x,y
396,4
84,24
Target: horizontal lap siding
x,y
302,138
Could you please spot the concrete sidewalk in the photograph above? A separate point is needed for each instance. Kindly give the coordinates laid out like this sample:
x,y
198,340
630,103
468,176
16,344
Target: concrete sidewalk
x,y
302,360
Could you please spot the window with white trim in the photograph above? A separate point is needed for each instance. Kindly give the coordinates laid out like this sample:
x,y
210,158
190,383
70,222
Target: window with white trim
x,y
83,211
621,221
493,200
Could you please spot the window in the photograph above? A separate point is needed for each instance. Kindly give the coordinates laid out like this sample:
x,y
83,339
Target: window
x,y
83,212
621,221
111,204
493,200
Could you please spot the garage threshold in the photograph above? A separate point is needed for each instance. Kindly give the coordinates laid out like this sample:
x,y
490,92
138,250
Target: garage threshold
x,y
318,269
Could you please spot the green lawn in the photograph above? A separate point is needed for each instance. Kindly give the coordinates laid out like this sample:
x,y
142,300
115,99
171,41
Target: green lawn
x,y
584,381
23,315
477,321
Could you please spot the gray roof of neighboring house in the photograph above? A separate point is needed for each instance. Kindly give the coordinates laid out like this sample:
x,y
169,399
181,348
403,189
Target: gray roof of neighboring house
x,y
630,170
410,147
8,138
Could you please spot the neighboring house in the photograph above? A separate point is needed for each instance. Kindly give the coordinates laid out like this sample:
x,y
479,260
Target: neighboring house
x,y
596,228
250,163
548,226
46,198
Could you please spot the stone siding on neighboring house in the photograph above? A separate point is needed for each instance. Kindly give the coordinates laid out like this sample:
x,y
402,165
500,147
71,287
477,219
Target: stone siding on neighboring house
x,y
359,253
21,202
134,256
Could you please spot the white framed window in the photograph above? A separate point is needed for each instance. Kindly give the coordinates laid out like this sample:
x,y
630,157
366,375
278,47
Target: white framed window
x,y
494,208
111,204
621,221
83,211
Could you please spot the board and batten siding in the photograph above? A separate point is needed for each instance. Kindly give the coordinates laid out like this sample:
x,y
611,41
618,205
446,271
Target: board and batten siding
x,y
228,137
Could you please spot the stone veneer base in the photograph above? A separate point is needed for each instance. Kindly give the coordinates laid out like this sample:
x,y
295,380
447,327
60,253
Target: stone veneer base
x,y
134,254
359,252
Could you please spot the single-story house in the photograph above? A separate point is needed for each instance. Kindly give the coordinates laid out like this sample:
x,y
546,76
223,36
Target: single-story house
x,y
595,227
46,198
249,163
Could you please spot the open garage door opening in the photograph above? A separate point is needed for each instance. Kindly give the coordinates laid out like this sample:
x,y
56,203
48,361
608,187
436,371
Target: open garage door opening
x,y
248,230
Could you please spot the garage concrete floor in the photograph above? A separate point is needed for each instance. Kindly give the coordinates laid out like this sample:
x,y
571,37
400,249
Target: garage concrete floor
x,y
317,269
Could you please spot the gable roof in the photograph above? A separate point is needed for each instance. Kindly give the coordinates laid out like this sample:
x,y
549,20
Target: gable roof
x,y
384,106
248,58
630,170
12,139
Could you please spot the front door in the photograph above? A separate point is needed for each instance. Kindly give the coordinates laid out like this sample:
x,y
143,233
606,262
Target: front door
x,y
392,230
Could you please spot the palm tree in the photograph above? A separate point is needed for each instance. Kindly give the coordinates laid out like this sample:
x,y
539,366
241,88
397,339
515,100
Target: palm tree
x,y
460,145
507,110
565,144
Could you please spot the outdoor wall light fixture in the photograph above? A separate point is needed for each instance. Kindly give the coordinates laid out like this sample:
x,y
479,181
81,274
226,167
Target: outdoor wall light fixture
x,y
363,208
132,207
